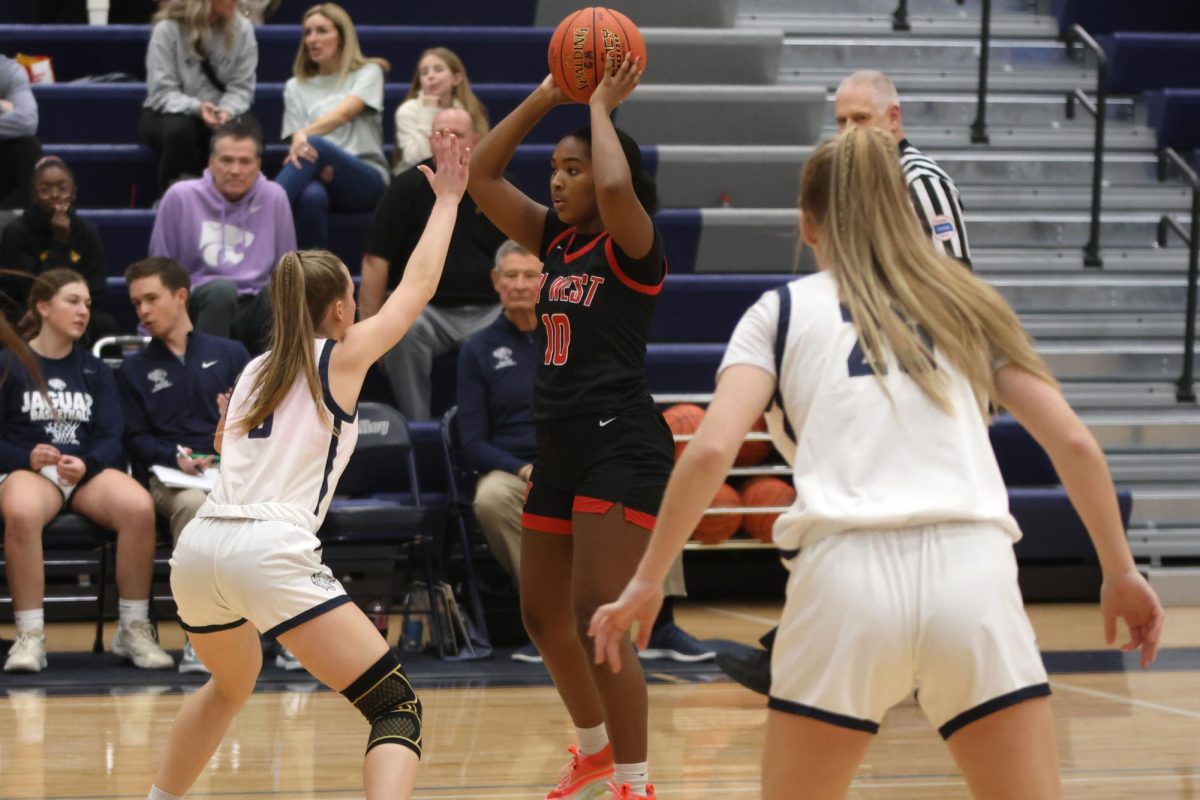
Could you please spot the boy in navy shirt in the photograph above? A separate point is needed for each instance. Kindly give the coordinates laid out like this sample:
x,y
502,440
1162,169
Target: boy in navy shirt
x,y
173,392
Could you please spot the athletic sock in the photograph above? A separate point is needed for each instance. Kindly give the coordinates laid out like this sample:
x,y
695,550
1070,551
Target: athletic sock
x,y
592,740
30,620
158,794
132,610
666,614
635,775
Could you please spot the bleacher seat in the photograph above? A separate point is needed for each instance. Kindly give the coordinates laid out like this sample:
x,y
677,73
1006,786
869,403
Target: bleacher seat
x,y
1175,116
1106,16
1141,61
112,111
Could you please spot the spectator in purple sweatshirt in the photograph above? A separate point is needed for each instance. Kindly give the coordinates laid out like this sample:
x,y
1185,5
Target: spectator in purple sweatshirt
x,y
228,229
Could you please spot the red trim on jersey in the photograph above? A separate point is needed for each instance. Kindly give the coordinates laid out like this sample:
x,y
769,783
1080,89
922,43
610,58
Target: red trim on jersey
x,y
644,288
591,505
640,518
568,232
536,522
583,251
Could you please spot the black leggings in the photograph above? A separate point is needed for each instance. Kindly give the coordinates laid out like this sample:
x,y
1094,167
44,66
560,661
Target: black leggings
x,y
181,143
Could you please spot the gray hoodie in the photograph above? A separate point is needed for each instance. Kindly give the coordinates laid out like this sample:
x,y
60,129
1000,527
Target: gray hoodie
x,y
176,83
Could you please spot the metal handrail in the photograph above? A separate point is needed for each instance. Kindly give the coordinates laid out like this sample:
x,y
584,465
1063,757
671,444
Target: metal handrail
x,y
1184,391
979,134
900,17
1077,35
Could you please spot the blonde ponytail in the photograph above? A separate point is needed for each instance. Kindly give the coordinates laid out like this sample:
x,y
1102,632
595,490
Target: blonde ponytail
x,y
303,287
905,298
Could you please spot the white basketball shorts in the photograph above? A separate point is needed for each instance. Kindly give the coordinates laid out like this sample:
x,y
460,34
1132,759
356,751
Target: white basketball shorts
x,y
872,616
227,571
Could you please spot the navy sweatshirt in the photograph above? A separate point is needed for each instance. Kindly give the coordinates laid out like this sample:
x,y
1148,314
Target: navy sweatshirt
x,y
81,418
170,402
496,370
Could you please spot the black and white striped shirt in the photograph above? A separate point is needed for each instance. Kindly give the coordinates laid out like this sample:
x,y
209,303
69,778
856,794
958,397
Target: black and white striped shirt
x,y
936,199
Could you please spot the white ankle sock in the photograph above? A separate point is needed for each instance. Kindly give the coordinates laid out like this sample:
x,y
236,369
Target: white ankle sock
x,y
132,610
636,775
30,620
592,740
158,794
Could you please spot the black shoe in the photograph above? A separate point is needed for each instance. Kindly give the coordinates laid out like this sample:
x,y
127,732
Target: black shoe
x,y
749,666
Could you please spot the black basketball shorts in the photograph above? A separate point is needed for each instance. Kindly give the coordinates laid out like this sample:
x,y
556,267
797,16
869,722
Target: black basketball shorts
x,y
589,464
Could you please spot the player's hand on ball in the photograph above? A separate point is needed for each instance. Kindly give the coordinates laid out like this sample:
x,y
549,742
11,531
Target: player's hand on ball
x,y
550,92
618,82
453,161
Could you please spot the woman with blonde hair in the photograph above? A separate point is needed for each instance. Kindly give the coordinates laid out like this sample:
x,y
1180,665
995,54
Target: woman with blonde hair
x,y
331,116
439,81
881,369
200,73
252,552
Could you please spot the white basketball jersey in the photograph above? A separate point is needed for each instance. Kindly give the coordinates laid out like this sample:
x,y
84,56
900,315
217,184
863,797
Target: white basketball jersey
x,y
289,466
863,459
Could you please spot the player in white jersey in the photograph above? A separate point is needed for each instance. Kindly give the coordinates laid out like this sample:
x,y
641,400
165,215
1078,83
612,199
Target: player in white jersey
x,y
899,543
251,554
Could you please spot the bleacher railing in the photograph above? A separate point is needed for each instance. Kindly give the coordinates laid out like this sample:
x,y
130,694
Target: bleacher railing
x,y
1184,391
1098,109
979,134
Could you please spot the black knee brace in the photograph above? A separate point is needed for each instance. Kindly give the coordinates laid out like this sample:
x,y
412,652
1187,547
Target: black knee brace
x,y
385,697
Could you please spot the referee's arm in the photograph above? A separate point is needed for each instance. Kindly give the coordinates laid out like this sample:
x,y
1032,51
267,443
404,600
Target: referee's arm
x,y
938,207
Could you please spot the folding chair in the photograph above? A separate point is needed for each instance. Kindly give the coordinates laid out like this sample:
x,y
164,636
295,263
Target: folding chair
x,y
461,511
377,503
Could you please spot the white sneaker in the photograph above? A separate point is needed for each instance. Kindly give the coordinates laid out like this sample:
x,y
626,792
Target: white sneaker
x,y
285,660
138,642
28,653
189,661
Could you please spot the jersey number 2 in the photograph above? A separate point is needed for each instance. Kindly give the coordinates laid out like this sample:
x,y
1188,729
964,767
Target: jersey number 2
x,y
558,338
264,430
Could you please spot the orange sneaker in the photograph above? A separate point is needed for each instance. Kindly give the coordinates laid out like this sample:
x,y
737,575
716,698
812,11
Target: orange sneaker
x,y
583,773
623,792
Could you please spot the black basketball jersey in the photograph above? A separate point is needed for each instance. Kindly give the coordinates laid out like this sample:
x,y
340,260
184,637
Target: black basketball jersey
x,y
594,308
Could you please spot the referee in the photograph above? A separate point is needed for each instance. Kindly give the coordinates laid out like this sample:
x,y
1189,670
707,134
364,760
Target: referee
x,y
869,99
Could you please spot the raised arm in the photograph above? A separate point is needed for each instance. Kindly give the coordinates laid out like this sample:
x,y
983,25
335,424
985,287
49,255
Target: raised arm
x,y
624,218
368,340
742,393
1079,462
512,211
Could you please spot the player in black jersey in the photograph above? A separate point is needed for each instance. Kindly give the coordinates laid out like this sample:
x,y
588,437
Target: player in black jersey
x,y
604,452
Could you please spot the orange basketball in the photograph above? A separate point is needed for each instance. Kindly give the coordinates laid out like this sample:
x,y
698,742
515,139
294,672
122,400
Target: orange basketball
x,y
753,453
714,528
583,40
683,418
764,492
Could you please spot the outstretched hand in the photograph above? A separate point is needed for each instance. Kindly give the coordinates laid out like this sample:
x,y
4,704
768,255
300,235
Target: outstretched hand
x,y
1130,597
619,81
453,161
640,602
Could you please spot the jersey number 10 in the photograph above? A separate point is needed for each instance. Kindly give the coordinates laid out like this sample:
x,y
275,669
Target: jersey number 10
x,y
558,339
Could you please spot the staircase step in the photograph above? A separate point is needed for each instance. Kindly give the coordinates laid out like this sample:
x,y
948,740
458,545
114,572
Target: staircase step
x,y
1163,505
1134,468
1004,109
1176,586
1118,136
879,23
1115,360
1124,398
1091,291
1069,260
921,52
1049,326
1049,81
1167,429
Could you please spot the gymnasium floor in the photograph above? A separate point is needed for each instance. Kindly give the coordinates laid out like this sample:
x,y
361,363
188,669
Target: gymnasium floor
x,y
1122,734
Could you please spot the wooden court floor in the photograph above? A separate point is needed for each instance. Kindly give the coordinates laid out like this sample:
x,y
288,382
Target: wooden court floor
x,y
1121,734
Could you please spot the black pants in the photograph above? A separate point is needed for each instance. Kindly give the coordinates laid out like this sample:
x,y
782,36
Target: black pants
x,y
17,159
181,143
217,309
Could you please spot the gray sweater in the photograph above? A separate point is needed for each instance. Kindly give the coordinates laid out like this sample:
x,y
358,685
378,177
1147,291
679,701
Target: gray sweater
x,y
14,87
176,83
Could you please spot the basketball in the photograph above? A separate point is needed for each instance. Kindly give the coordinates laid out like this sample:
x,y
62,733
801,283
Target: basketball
x,y
764,492
582,41
753,453
683,418
715,528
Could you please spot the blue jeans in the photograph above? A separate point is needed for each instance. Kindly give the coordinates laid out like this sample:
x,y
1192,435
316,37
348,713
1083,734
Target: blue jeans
x,y
356,186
